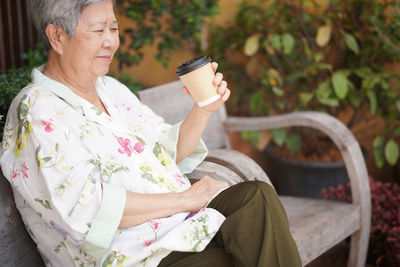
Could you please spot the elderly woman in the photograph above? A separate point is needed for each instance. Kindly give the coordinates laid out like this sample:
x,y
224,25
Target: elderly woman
x,y
99,178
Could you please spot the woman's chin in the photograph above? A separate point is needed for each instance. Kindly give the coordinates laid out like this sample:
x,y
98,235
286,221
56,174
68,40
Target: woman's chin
x,y
102,70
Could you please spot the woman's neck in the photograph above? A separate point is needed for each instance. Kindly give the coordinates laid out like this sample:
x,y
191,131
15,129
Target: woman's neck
x,y
79,82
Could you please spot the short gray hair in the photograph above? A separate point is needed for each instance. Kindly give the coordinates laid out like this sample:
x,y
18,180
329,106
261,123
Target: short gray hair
x,y
63,13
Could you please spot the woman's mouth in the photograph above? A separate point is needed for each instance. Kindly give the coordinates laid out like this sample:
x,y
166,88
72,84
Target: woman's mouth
x,y
105,58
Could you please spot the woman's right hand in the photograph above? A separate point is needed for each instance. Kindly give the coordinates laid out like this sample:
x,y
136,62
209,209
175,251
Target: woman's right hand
x,y
198,195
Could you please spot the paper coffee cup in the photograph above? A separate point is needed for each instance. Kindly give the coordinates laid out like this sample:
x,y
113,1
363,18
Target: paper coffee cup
x,y
197,75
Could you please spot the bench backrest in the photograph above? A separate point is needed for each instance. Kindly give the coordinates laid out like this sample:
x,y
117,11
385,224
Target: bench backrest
x,y
169,102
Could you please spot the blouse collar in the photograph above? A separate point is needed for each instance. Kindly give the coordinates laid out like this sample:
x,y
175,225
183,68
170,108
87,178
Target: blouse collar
x,y
60,89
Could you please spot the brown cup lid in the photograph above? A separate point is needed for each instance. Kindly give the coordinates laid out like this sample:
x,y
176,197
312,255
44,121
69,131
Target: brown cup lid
x,y
192,65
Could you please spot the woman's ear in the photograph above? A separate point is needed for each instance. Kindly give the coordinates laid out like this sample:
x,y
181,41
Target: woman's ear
x,y
56,36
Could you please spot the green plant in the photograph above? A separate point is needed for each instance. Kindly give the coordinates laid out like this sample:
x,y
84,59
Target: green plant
x,y
165,22
285,56
17,78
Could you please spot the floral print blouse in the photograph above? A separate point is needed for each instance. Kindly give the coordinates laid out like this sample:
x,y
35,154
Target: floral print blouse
x,y
70,165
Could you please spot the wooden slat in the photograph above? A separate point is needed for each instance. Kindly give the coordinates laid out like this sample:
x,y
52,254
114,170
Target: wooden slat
x,y
242,165
317,225
215,171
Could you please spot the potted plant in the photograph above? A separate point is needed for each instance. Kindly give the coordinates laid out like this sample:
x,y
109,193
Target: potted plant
x,y
285,56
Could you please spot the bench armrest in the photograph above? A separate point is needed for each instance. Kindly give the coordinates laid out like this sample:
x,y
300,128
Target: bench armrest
x,y
238,162
341,136
215,171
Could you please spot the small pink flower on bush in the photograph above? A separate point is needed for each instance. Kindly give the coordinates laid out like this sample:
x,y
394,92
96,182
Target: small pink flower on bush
x,y
384,247
47,125
139,147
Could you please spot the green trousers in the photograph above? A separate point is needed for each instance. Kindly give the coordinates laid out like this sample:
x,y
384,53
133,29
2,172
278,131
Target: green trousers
x,y
255,232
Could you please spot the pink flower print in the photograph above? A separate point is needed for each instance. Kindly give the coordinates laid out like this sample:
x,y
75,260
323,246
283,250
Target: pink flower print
x,y
148,243
14,174
24,170
126,146
179,179
128,108
155,224
139,147
47,125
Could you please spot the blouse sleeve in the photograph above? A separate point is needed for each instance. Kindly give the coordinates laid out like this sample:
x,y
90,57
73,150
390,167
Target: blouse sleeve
x,y
168,136
49,166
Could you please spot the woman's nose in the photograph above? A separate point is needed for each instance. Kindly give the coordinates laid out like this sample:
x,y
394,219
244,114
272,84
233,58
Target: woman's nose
x,y
110,40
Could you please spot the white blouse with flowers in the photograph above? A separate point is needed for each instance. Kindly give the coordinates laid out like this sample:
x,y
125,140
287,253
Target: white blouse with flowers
x,y
70,165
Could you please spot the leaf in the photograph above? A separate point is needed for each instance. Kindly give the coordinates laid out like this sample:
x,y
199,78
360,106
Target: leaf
x,y
278,135
396,131
252,44
274,77
305,98
379,155
256,100
46,159
398,105
278,91
391,152
323,35
140,140
293,143
275,41
318,57
363,72
340,84
288,43
324,89
351,43
372,101
307,49
378,141
332,102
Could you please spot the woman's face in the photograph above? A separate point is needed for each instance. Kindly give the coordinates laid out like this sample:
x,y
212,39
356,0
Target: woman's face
x,y
96,39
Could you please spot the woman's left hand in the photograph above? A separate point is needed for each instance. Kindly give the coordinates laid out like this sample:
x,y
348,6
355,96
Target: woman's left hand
x,y
222,90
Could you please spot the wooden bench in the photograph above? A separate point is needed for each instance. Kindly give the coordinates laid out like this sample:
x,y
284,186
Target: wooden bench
x,y
316,225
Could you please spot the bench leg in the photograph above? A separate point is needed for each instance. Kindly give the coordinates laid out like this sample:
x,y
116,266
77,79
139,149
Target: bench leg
x,y
358,248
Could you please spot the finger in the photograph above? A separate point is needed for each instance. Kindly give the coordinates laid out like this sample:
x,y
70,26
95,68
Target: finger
x,y
226,95
214,66
218,78
222,87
